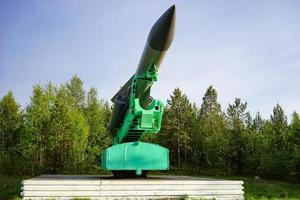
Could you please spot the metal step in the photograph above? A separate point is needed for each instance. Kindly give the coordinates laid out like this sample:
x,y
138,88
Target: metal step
x,y
105,187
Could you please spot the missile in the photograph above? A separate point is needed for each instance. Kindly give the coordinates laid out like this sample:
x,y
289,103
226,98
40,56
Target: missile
x,y
158,42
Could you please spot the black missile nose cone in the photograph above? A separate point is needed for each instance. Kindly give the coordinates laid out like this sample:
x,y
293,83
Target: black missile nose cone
x,y
162,32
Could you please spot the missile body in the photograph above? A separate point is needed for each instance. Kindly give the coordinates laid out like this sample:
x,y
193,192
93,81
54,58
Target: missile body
x,y
158,42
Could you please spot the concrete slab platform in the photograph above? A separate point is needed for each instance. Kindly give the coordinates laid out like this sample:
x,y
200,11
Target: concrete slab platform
x,y
92,187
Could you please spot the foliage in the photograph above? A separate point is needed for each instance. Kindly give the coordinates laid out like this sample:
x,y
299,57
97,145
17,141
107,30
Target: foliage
x,y
96,114
211,138
176,130
67,136
60,131
10,129
236,128
10,187
63,130
263,189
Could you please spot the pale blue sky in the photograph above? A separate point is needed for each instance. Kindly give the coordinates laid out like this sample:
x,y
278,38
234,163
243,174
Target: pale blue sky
x,y
246,49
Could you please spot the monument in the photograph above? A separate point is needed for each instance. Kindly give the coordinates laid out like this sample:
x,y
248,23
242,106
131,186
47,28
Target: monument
x,y
135,113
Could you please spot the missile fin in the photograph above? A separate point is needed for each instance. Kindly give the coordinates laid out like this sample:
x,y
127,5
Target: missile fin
x,y
123,91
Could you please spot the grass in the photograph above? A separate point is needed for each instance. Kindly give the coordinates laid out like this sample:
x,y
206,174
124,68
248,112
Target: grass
x,y
10,187
254,189
265,189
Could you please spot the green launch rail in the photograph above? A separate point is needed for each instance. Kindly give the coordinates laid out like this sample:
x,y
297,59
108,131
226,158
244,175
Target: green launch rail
x,y
138,120
135,113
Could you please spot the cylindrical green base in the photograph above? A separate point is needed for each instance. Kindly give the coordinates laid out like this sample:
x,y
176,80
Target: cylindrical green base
x,y
136,156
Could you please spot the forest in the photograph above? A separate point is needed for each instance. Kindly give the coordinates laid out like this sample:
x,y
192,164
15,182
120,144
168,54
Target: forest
x,y
63,130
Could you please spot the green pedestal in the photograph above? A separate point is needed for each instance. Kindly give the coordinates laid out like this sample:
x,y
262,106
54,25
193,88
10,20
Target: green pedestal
x,y
136,156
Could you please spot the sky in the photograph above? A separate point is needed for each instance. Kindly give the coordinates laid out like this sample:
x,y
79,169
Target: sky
x,y
245,49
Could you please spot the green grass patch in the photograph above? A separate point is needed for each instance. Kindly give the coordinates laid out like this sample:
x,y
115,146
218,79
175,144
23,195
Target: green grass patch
x,y
10,187
254,189
265,189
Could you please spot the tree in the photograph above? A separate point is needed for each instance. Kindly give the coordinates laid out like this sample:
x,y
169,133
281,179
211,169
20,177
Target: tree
x,y
175,126
258,122
63,130
295,127
211,141
295,141
255,144
10,128
279,125
76,90
189,123
68,135
278,145
34,142
236,118
97,117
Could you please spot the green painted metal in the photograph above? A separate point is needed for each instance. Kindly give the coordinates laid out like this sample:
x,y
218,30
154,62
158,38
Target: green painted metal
x,y
136,156
139,120
128,154
135,113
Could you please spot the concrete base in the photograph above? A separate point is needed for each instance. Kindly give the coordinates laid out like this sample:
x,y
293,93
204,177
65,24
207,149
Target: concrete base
x,y
61,187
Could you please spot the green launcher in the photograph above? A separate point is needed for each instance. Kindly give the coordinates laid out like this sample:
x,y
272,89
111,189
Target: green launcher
x,y
135,113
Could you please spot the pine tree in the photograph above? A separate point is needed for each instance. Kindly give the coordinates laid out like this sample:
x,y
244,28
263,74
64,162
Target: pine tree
x,y
10,128
76,90
34,140
236,120
255,144
188,127
258,122
278,146
196,145
211,142
176,125
68,135
96,116
295,141
279,125
295,127
164,137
